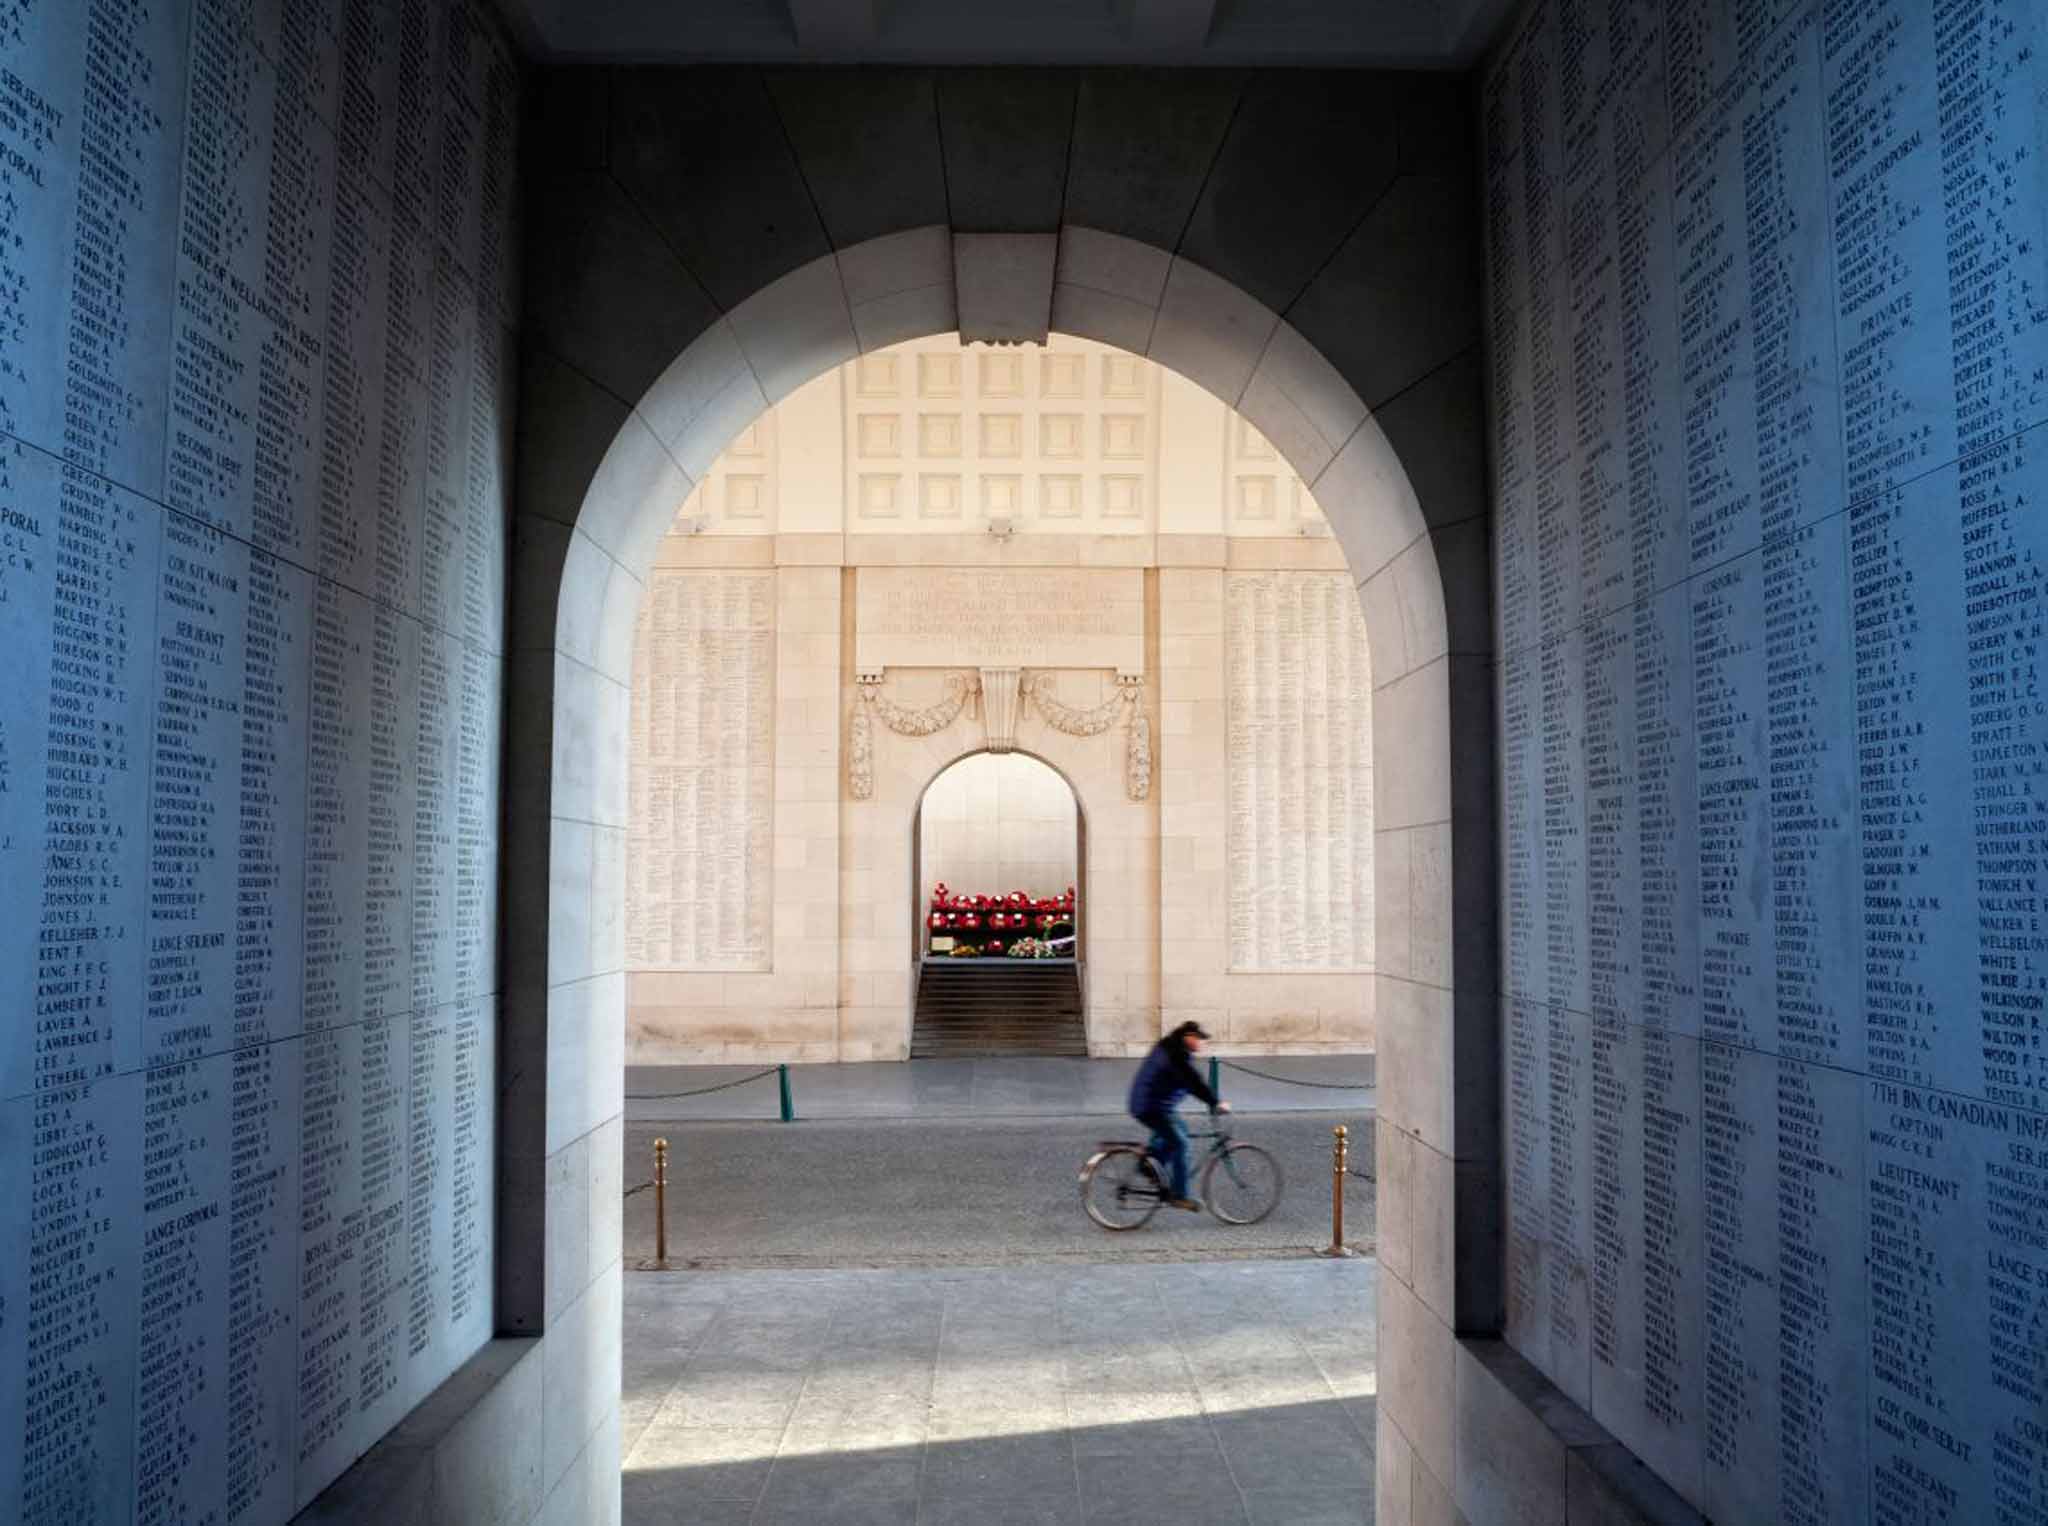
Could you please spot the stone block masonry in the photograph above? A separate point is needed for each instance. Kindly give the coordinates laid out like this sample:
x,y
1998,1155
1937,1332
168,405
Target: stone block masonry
x,y
1194,665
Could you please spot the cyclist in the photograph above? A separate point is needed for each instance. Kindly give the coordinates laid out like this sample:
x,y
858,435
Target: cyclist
x,y
1167,1075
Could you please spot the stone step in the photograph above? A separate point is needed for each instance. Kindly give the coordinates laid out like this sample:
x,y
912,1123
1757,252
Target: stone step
x,y
1000,1013
930,1050
1065,1029
998,1001
983,1008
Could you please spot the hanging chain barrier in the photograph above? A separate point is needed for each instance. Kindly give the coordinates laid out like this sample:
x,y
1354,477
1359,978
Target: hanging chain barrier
x,y
1324,1086
701,1091
784,1099
1266,1075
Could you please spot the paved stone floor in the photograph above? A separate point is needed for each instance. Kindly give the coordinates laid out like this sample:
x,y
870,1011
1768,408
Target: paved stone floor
x,y
948,1191
978,1088
1236,1392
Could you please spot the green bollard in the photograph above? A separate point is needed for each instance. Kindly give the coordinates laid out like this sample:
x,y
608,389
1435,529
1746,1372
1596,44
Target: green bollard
x,y
1215,1077
788,1106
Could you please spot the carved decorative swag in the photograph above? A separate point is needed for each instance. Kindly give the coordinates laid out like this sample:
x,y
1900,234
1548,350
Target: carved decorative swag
x,y
1038,687
963,692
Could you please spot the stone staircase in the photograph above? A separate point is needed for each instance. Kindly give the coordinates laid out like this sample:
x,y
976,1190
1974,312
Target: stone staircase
x,y
978,1008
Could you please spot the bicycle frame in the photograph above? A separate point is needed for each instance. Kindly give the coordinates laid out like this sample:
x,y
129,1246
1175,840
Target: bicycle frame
x,y
1219,1138
1145,1185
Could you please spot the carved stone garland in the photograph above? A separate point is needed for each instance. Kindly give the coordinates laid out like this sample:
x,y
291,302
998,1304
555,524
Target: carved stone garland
x,y
901,719
961,692
1138,744
1065,718
1088,723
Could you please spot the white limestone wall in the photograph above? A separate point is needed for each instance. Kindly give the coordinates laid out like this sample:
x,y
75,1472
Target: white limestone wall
x,y
785,1005
1120,877
257,364
699,860
1085,456
839,984
845,905
1261,1010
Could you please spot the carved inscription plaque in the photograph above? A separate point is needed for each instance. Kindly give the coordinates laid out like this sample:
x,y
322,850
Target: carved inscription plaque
x,y
929,617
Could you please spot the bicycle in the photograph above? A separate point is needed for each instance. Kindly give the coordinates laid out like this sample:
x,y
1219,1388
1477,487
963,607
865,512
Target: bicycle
x,y
1122,1185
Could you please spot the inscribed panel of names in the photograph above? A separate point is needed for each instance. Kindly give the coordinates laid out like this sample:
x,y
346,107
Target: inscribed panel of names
x,y
700,835
1770,368
253,308
1298,760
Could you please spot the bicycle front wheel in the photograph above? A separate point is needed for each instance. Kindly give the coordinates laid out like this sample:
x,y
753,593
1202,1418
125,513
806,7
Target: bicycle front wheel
x,y
1242,1184
1121,1189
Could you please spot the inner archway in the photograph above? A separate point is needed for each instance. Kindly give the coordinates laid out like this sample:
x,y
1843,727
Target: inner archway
x,y
943,547
999,902
1122,293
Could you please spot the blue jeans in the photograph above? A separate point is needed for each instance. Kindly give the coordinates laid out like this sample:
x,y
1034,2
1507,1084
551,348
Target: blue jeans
x,y
1169,1147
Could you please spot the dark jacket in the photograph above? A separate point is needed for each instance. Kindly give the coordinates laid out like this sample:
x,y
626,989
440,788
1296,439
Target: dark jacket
x,y
1167,1075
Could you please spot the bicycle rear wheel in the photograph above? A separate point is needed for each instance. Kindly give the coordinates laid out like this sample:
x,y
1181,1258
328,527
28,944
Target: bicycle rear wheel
x,y
1120,1188
1242,1184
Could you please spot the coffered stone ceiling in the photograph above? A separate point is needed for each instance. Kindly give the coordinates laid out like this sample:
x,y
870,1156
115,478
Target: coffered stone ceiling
x,y
1377,33
1068,438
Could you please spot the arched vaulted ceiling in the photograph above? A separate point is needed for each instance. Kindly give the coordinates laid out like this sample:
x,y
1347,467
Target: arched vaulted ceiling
x,y
1414,34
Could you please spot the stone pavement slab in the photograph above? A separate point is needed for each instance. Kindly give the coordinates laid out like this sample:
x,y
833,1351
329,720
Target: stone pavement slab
x,y
1238,1392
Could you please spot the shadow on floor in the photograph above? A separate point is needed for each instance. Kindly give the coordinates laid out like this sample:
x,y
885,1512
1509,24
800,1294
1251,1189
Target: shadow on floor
x,y
1288,1465
1237,1393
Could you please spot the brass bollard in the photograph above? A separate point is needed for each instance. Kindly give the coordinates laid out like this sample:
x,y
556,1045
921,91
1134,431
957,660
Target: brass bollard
x,y
1340,1156
661,1205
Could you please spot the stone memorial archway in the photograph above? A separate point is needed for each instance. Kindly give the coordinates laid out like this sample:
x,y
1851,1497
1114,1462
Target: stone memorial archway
x,y
566,1002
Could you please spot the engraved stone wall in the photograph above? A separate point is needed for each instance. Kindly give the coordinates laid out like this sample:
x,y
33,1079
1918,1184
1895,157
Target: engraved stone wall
x,y
1770,370
835,979
1038,617
1298,702
255,389
700,836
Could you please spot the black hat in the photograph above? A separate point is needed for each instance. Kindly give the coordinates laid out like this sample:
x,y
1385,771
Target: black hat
x,y
1191,1031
